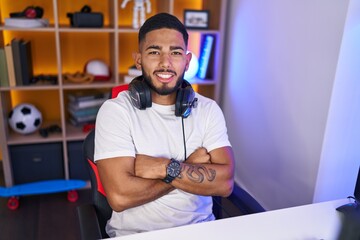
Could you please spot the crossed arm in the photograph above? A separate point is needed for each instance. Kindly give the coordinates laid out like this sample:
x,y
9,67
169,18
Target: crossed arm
x,y
130,182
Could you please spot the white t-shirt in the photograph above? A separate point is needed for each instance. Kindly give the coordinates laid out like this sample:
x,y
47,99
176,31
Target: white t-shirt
x,y
123,130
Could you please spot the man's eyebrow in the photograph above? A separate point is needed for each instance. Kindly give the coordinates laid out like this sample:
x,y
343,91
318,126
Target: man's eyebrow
x,y
176,48
153,47
172,48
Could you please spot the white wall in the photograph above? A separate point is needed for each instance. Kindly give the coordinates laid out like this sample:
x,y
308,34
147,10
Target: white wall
x,y
282,57
340,157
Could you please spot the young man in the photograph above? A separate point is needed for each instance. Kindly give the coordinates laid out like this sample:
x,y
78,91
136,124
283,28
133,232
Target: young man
x,y
162,150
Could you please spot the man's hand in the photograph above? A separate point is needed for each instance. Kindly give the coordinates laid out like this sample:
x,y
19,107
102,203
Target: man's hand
x,y
199,156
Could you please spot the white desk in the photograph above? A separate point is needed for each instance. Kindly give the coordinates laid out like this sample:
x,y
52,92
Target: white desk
x,y
308,222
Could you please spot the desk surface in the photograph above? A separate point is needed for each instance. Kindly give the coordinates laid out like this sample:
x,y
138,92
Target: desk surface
x,y
308,222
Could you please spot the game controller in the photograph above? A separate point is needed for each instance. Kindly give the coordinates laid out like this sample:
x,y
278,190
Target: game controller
x,y
44,132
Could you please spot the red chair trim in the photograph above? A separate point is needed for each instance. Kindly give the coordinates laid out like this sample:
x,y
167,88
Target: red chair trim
x,y
115,90
100,187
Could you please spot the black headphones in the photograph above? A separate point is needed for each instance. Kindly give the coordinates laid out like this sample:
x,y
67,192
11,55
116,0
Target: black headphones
x,y
140,94
29,12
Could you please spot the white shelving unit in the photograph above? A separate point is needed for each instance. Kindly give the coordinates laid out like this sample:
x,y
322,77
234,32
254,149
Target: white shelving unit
x,y
59,49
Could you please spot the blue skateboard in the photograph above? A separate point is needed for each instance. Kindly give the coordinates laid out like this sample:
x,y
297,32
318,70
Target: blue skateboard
x,y
41,187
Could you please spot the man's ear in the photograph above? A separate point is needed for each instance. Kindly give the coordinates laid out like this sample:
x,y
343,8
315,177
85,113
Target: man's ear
x,y
188,59
137,58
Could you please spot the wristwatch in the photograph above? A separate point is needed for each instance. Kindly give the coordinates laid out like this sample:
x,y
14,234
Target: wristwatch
x,y
172,170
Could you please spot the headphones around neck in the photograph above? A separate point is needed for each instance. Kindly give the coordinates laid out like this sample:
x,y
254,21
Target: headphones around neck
x,y
140,95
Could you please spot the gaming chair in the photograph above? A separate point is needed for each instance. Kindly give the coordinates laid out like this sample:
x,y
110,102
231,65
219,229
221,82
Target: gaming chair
x,y
93,217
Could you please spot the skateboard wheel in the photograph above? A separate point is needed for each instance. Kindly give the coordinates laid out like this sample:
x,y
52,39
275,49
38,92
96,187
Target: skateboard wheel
x,y
13,203
72,196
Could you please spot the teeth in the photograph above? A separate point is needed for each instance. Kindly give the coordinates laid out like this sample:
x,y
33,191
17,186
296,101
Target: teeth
x,y
165,75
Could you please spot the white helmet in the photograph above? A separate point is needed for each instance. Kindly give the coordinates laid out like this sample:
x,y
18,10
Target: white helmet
x,y
98,68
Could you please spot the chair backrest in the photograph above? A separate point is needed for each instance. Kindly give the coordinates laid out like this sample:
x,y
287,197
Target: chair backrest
x,y
116,90
102,207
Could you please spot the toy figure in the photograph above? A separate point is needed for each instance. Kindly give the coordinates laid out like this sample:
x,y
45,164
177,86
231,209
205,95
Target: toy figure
x,y
139,7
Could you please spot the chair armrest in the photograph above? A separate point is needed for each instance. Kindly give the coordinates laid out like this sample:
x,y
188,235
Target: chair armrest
x,y
244,201
89,224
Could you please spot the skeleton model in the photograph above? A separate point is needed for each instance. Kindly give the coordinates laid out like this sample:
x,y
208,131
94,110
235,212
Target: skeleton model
x,y
139,8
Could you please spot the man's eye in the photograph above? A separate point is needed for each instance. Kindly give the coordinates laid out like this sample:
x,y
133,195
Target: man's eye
x,y
177,53
153,53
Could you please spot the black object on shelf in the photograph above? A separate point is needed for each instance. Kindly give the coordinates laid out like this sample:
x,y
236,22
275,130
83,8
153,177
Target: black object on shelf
x,y
44,132
29,12
86,18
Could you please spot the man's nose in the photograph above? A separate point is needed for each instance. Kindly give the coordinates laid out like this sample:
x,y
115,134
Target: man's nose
x,y
165,61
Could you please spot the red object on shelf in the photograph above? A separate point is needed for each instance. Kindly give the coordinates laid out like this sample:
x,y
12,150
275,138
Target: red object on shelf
x,y
88,127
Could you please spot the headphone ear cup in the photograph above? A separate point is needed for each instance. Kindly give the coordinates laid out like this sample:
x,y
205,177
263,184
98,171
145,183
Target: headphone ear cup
x,y
184,99
33,12
39,12
140,93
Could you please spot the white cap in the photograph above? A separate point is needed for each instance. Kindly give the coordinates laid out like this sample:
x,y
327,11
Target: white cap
x,y
98,68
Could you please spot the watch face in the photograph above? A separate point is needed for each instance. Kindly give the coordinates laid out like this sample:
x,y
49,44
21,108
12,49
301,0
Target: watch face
x,y
173,169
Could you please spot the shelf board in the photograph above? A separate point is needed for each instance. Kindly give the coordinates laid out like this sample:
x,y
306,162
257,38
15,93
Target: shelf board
x,y
74,133
16,138
127,29
105,84
51,28
86,30
203,31
199,81
30,88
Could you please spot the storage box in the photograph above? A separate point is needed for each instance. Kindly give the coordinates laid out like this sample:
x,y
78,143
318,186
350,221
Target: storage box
x,y
36,162
77,164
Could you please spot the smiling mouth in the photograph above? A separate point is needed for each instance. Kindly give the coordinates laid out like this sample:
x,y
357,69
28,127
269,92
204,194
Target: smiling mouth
x,y
165,76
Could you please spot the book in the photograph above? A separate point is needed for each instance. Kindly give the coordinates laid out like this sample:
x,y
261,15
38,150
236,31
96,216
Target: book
x,y
4,79
83,112
86,104
88,95
205,54
10,65
15,46
26,62
79,123
79,100
84,119
26,22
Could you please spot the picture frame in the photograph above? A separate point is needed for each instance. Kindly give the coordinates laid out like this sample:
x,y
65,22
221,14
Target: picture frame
x,y
196,19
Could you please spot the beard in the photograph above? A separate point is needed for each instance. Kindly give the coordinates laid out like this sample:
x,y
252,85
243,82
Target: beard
x,y
164,89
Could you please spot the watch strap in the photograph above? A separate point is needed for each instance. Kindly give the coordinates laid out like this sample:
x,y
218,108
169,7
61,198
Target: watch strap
x,y
168,179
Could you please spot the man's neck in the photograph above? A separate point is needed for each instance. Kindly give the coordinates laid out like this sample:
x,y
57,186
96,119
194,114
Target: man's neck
x,y
163,99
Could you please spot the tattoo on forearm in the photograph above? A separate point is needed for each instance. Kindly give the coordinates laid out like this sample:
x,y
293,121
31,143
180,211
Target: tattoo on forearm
x,y
197,173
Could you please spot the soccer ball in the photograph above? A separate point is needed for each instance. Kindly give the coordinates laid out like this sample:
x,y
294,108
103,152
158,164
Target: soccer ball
x,y
25,118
